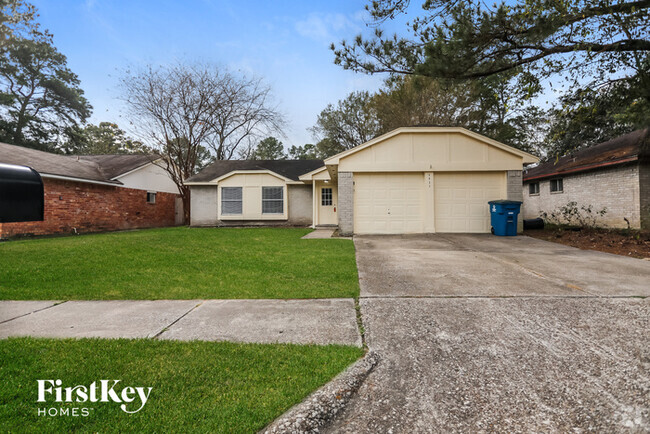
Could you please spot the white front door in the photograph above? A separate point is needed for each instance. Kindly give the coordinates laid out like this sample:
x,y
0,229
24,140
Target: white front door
x,y
327,198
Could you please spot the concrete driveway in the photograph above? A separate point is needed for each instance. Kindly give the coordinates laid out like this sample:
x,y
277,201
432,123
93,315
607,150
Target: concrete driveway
x,y
485,334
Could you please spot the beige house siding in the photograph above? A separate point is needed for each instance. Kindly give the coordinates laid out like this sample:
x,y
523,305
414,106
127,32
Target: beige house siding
x,y
617,189
430,152
150,177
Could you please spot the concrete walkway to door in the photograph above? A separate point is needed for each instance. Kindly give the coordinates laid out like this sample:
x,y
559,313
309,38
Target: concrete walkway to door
x,y
481,333
318,321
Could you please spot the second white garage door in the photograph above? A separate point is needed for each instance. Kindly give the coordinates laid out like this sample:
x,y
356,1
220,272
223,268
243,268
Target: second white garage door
x,y
460,200
388,203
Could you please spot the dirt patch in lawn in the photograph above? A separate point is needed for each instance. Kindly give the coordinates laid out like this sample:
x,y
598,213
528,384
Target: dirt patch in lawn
x,y
626,243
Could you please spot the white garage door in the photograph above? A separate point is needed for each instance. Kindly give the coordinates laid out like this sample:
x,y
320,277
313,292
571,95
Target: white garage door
x,y
460,200
388,203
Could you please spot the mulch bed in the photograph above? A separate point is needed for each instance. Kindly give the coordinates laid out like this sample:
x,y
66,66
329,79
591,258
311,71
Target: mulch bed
x,y
626,243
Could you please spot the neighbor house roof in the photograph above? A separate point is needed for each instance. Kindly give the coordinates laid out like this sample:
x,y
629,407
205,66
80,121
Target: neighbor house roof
x,y
97,169
290,169
621,150
116,165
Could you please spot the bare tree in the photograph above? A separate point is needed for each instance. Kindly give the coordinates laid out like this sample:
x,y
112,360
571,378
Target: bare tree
x,y
184,110
245,116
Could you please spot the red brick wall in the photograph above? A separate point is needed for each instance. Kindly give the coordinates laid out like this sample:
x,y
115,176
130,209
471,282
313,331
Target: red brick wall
x,y
94,208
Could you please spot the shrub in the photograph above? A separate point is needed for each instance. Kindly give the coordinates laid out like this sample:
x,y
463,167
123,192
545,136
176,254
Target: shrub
x,y
573,215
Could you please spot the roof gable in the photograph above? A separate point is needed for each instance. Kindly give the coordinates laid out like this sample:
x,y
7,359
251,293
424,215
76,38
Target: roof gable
x,y
525,156
251,172
289,169
320,173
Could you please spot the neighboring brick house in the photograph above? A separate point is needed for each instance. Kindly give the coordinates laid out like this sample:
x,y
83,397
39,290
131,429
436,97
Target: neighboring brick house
x,y
613,175
96,193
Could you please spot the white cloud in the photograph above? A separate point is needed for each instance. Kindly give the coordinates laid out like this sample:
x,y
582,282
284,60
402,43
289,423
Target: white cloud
x,y
325,26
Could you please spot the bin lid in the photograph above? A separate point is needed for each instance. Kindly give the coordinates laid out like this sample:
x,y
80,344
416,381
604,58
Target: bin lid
x,y
505,202
21,194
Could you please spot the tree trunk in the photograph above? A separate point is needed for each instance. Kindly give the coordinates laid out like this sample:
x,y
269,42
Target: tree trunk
x,y
185,195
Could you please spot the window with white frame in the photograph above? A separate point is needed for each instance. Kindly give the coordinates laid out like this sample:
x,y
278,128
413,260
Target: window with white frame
x,y
231,200
557,185
533,188
326,196
272,200
151,197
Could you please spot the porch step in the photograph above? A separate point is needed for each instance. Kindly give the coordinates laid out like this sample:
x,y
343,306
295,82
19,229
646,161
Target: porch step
x,y
320,233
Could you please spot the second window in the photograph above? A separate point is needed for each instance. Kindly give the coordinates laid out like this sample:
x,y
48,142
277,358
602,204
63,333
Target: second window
x,y
231,200
272,200
557,185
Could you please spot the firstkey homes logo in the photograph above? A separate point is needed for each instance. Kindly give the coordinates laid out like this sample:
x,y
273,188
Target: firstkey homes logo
x,y
131,399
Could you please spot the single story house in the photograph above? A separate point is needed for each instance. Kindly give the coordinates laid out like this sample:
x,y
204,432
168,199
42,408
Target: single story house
x,y
96,192
410,180
252,192
614,175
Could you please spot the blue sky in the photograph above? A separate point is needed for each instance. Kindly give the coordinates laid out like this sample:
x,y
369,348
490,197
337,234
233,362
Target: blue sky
x,y
286,43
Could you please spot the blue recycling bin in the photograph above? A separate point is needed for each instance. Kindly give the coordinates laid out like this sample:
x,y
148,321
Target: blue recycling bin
x,y
503,217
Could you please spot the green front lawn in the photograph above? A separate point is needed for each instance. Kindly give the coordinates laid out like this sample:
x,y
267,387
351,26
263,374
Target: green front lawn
x,y
197,386
179,263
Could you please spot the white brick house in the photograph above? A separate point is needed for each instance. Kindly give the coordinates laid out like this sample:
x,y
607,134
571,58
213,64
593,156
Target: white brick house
x,y
613,175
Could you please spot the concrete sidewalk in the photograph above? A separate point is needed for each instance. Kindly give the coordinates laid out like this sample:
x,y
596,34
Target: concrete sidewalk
x,y
320,321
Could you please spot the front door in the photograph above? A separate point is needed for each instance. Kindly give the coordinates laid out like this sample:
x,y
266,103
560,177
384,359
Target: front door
x,y
327,206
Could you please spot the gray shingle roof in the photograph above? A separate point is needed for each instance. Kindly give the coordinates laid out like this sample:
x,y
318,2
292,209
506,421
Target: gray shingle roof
x,y
291,169
94,168
116,165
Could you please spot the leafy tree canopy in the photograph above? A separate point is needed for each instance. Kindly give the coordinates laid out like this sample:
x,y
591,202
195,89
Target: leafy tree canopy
x,y
461,39
349,123
490,106
590,116
305,152
105,138
17,19
269,149
323,149
40,97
